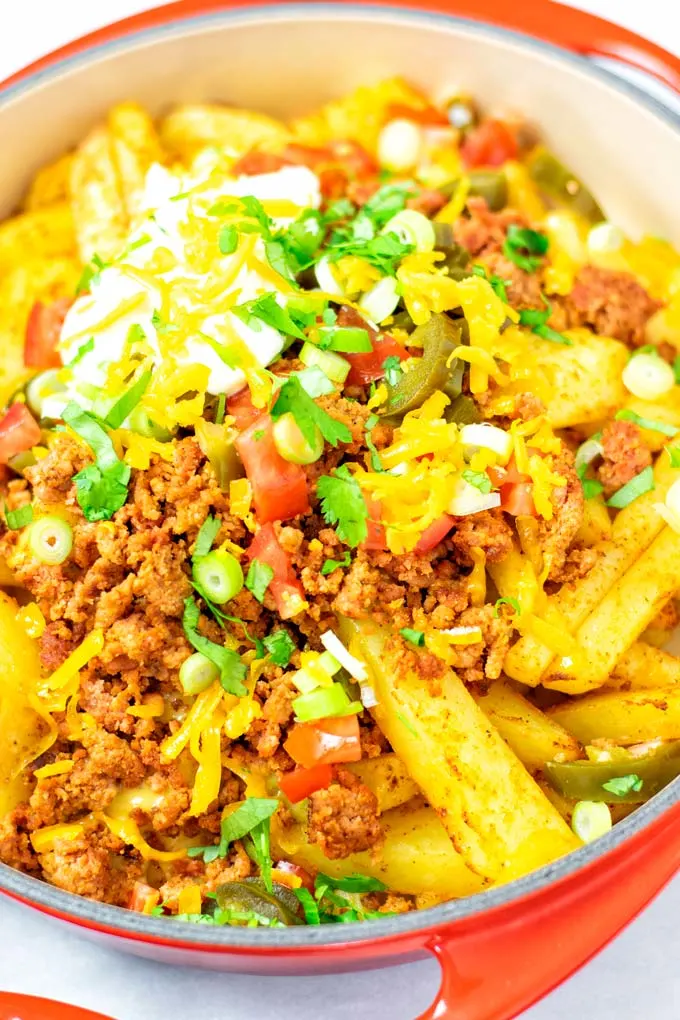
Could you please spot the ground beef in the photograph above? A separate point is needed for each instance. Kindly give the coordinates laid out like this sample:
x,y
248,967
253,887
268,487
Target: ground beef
x,y
343,819
484,660
611,303
625,455
488,531
88,868
482,232
557,535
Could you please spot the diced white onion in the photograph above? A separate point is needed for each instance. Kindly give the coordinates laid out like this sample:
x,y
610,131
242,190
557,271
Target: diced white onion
x,y
368,697
381,300
461,631
304,682
399,144
467,499
326,278
591,819
605,238
334,645
487,437
648,376
587,453
411,227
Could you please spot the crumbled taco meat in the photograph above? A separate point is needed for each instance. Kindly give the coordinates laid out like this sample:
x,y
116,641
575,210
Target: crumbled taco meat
x,y
625,455
612,303
343,819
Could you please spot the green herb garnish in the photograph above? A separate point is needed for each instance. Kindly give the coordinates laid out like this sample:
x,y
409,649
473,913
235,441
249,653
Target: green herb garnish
x,y
258,579
102,487
232,670
343,504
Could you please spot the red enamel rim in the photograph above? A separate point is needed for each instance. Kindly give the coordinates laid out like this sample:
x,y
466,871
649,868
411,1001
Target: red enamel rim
x,y
28,1007
577,33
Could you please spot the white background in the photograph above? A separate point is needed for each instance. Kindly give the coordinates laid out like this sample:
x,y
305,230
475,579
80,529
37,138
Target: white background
x,y
634,979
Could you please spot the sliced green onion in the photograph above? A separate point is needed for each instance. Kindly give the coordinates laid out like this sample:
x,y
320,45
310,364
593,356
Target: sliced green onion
x,y
324,702
219,576
638,486
647,423
292,445
349,339
326,278
411,227
587,453
197,673
381,300
328,663
333,365
19,518
51,539
591,819
647,376
42,386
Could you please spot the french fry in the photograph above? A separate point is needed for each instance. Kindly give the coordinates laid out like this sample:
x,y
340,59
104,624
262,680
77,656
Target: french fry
x,y
416,856
627,717
584,380
135,145
633,530
50,185
187,129
386,776
643,666
624,613
596,525
531,734
665,408
99,214
498,819
41,233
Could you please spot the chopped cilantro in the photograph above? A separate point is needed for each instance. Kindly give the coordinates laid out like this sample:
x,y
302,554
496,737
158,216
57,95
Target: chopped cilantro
x,y
622,785
102,487
371,423
507,601
479,479
232,670
525,247
385,251
90,274
386,203
258,579
206,536
135,334
498,285
220,409
17,519
416,637
342,503
329,316
139,243
330,565
280,646
392,369
160,325
293,399
341,209
128,402
309,905
537,318
267,309
81,352
258,434
253,812
227,240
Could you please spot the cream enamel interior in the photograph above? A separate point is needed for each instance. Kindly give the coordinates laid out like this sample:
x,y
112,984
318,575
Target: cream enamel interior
x,y
283,64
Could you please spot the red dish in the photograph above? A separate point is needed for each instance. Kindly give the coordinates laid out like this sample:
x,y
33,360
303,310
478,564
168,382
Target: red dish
x,y
503,949
28,1007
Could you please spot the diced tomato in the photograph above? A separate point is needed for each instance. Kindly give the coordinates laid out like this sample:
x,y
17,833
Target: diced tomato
x,y
517,499
347,155
490,144
306,155
325,742
294,869
43,331
241,407
300,783
286,590
279,487
375,532
19,431
428,116
256,162
360,192
366,368
434,534
143,898
333,182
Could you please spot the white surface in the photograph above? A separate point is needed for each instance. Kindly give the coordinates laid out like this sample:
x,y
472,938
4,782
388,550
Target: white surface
x,y
637,977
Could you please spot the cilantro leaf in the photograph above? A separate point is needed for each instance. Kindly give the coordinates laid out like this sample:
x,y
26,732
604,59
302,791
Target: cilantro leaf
x,y
206,536
350,884
102,487
479,479
260,835
267,309
309,905
371,423
302,239
253,812
342,503
507,601
227,240
160,325
330,565
537,318
81,352
392,369
384,251
232,670
622,785
277,257
90,274
128,402
416,637
308,415
280,646
258,579
386,203
525,247
220,409
17,519
498,285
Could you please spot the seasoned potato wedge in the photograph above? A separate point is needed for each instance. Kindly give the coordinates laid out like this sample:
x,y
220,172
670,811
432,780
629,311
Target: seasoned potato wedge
x,y
41,233
628,717
388,778
497,817
584,380
416,856
50,185
190,128
99,214
533,736
135,145
643,666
